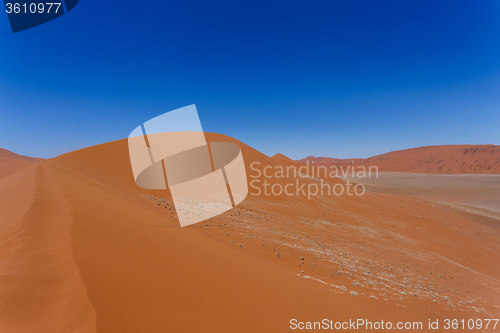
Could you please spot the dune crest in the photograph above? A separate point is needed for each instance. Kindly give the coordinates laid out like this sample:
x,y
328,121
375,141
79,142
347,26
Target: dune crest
x,y
40,285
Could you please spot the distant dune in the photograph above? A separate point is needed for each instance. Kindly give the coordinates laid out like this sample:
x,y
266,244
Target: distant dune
x,y
83,249
11,163
321,160
452,159
280,158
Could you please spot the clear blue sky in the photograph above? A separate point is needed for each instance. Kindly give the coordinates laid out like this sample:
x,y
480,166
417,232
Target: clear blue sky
x,y
339,78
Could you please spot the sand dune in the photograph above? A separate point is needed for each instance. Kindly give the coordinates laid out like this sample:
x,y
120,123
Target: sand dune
x,y
11,163
452,159
282,159
84,249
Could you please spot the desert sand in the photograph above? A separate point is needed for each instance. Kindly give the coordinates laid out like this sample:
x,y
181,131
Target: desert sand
x,y
83,249
481,191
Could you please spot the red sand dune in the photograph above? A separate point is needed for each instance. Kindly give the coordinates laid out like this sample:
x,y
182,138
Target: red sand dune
x,y
322,160
11,163
83,249
452,159
280,158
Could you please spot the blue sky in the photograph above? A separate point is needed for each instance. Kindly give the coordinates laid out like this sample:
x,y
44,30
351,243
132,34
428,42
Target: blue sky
x,y
326,78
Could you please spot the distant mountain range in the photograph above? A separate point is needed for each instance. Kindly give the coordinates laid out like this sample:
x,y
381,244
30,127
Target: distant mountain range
x,y
450,159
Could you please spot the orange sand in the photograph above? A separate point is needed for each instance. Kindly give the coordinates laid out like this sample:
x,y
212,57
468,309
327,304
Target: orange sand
x,y
83,250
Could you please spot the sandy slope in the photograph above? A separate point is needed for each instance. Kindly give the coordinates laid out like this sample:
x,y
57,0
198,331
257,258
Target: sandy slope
x,y
40,285
84,248
452,159
11,162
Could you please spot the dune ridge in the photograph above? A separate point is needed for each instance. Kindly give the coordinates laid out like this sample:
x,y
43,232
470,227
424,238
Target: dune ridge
x,y
40,285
